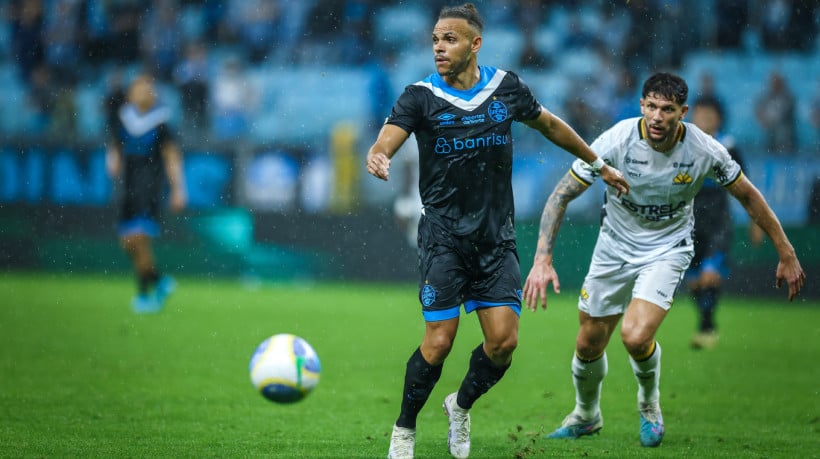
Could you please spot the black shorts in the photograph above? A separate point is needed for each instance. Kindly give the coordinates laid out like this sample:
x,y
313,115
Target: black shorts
x,y
455,271
139,214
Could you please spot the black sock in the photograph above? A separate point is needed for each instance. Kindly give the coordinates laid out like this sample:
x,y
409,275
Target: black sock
x,y
481,376
707,301
419,381
147,280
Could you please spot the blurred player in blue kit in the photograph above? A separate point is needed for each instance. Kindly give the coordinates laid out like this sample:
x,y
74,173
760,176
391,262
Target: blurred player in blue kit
x,y
644,246
713,229
462,117
142,153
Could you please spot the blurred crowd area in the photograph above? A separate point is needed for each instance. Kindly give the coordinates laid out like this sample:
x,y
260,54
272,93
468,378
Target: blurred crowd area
x,y
292,72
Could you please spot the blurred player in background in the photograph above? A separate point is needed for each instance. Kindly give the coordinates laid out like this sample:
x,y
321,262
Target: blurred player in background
x,y
462,118
644,246
713,229
141,153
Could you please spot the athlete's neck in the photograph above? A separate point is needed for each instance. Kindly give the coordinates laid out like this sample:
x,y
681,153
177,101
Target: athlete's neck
x,y
668,143
464,80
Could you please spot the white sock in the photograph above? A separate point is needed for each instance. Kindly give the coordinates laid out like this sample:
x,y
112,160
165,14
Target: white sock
x,y
648,374
588,377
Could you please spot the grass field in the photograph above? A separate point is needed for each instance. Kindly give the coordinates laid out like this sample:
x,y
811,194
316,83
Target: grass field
x,y
82,376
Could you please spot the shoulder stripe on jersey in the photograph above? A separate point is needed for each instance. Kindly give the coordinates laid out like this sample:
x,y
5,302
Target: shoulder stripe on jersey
x,y
470,99
579,179
735,180
137,123
641,129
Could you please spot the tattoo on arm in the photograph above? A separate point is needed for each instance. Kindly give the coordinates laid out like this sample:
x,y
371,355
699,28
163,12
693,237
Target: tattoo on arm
x,y
567,189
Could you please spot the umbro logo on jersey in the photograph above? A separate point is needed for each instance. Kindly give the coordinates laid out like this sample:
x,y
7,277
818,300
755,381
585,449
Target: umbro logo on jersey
x,y
447,119
683,178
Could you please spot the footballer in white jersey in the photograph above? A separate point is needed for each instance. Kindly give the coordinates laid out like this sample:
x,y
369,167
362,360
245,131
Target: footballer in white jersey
x,y
644,247
657,213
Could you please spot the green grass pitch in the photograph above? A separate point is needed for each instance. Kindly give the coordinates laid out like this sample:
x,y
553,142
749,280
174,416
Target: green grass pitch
x,y
82,376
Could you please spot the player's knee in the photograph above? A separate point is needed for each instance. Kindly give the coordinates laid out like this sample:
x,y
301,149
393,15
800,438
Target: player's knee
x,y
635,342
437,347
502,349
590,346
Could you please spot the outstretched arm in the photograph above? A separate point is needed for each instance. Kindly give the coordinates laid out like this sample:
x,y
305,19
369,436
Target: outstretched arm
x,y
542,272
560,133
390,138
788,268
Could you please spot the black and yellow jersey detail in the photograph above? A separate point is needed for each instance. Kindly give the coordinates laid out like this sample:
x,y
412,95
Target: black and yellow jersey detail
x,y
735,180
579,179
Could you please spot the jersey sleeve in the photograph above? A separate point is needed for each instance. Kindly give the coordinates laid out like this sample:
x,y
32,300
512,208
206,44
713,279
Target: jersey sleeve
x,y
406,110
725,170
528,106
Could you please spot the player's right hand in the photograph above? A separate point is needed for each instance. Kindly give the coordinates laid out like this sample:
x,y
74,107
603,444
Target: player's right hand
x,y
378,165
535,288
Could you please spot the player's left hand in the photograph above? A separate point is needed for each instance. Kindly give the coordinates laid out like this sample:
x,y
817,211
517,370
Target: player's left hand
x,y
789,270
614,178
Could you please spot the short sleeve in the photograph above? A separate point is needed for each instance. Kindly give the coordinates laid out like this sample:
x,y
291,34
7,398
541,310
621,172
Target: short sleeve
x,y
528,106
725,170
406,112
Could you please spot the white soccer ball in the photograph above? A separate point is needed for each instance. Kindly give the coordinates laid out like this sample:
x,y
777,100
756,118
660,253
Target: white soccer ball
x,y
284,368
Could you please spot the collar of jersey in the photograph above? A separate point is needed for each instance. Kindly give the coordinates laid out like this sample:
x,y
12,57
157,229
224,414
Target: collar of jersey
x,y
137,123
468,99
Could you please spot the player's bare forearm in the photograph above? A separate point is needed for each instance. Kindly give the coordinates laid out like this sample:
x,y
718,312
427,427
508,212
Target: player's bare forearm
x,y
562,134
788,268
390,138
565,191
542,272
762,215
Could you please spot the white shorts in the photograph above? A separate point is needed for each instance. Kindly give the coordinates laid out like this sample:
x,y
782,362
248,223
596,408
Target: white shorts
x,y
612,283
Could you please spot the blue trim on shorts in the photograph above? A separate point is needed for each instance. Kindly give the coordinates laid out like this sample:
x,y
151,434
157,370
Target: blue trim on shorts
x,y
469,306
139,225
442,314
472,305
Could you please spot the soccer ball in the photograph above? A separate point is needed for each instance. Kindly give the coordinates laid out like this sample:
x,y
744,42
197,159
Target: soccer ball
x,y
284,368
